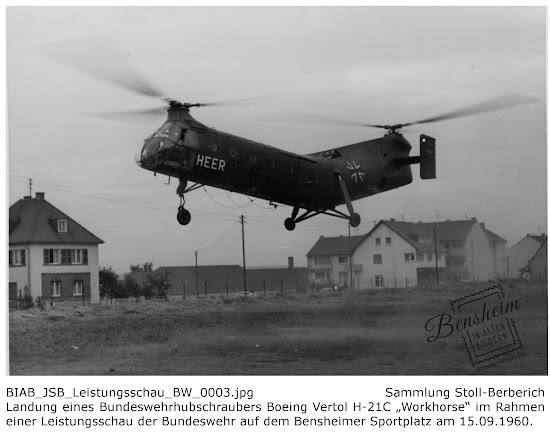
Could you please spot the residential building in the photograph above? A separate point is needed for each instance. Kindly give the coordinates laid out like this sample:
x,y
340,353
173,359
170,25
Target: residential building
x,y
538,264
401,254
51,256
329,261
520,253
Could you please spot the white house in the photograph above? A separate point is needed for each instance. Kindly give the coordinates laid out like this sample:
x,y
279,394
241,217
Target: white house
x,y
398,254
520,253
401,254
51,256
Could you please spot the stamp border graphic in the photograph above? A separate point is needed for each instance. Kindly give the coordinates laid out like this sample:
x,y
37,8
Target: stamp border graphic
x,y
475,297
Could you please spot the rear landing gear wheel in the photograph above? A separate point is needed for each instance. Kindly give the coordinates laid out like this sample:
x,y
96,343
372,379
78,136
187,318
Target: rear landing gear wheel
x,y
355,220
184,217
290,224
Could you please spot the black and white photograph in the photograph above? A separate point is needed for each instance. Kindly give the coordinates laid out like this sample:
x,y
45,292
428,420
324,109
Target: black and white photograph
x,y
276,191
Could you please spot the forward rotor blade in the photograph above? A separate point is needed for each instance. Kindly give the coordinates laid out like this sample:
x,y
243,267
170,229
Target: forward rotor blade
x,y
100,58
491,105
262,100
135,116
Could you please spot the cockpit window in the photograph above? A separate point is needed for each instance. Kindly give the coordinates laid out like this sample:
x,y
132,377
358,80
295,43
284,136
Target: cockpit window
x,y
158,146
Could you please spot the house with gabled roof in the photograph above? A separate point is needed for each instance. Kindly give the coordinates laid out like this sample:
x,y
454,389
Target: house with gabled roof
x,y
521,252
51,256
401,254
328,261
472,252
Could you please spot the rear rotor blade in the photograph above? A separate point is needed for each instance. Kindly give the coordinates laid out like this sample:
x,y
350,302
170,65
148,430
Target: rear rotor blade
x,y
309,118
101,58
491,105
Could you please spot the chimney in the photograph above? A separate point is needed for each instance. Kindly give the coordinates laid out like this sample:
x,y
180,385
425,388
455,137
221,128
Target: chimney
x,y
392,219
39,195
482,225
543,235
291,262
27,197
448,220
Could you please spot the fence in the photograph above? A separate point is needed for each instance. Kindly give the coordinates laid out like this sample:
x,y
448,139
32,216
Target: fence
x,y
25,301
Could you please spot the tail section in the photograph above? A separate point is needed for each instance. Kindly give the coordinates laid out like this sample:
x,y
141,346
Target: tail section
x,y
427,157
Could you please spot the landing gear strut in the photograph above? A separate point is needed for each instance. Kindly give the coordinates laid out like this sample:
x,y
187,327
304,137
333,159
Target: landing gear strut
x,y
353,218
183,216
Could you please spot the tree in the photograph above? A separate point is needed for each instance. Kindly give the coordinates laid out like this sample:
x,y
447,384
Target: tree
x,y
108,282
130,287
147,267
157,283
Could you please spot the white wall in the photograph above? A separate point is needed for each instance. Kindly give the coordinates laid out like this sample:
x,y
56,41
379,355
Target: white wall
x,y
393,264
36,262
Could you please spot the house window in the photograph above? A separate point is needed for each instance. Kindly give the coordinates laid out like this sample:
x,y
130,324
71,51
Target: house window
x,y
322,260
429,256
388,241
424,239
419,256
457,244
377,259
378,241
409,257
79,256
65,256
77,288
52,256
343,260
343,275
56,289
17,257
62,226
319,275
378,281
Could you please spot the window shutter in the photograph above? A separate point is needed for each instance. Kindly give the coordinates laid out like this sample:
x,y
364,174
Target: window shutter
x,y
23,258
85,256
46,257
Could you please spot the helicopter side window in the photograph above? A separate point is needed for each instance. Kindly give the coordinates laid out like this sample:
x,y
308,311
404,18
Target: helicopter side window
x,y
191,139
332,154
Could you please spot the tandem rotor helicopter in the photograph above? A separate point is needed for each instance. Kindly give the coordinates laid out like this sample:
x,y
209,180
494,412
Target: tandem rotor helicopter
x,y
311,184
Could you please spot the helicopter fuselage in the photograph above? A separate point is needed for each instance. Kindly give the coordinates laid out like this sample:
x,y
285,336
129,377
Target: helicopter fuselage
x,y
188,150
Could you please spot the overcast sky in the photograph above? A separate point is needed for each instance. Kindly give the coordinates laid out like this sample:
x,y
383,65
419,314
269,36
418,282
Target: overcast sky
x,y
370,64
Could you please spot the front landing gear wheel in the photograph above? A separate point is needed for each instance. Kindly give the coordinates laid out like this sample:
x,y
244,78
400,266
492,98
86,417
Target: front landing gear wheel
x,y
355,220
290,224
184,217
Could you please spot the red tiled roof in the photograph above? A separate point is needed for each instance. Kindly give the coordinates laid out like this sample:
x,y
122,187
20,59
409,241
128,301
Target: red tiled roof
x,y
34,220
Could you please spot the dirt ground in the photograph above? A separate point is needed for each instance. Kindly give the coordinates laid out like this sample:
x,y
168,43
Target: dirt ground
x,y
371,332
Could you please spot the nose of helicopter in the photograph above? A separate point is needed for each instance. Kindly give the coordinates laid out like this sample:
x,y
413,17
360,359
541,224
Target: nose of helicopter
x,y
154,152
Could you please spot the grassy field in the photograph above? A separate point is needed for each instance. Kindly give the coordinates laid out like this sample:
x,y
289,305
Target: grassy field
x,y
371,332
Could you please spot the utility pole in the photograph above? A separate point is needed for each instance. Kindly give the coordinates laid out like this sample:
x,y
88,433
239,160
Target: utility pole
x,y
436,265
244,255
350,258
197,274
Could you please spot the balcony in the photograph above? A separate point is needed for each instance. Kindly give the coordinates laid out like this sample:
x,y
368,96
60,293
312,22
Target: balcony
x,y
323,267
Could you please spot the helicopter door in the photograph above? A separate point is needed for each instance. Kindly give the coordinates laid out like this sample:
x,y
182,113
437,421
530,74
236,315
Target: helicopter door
x,y
285,171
